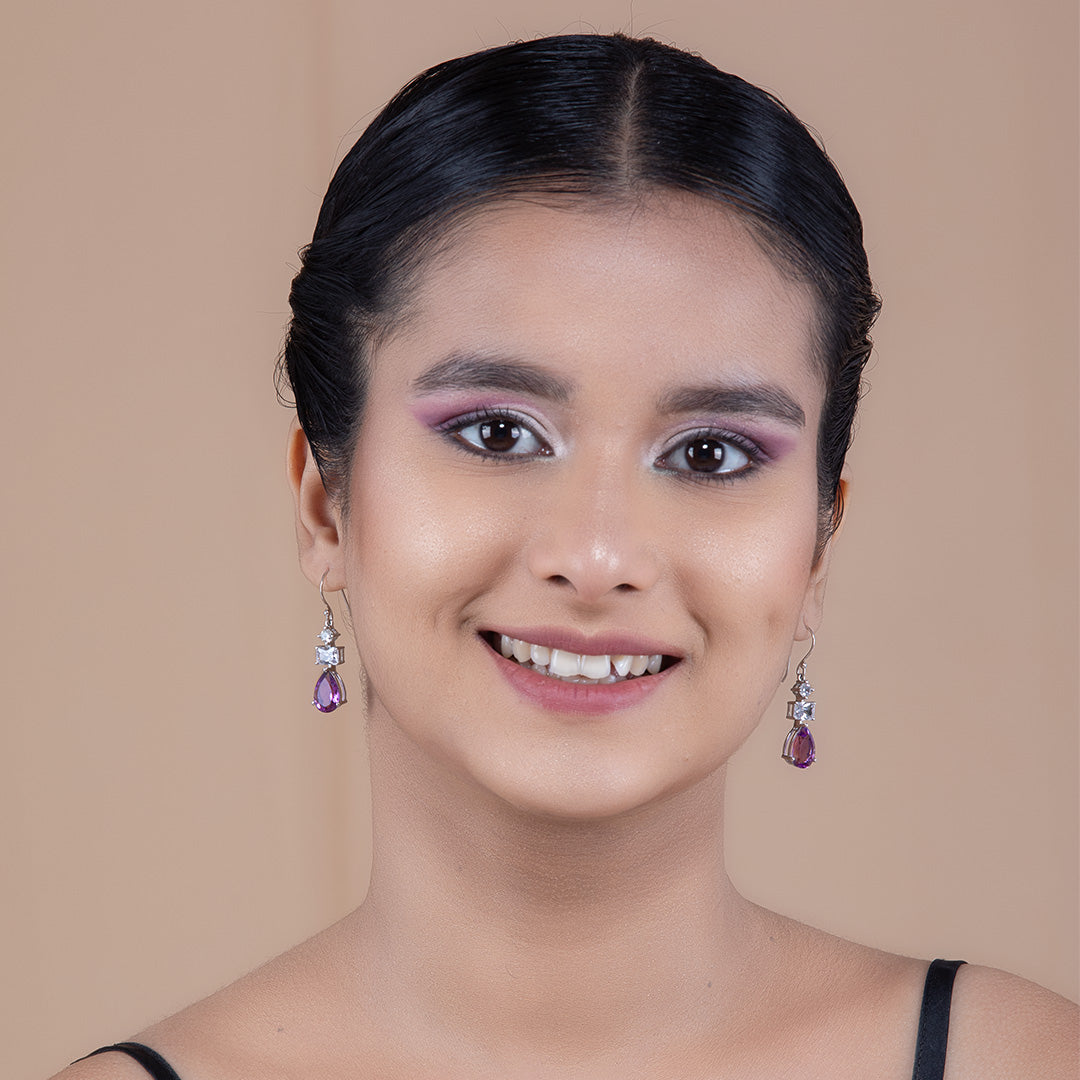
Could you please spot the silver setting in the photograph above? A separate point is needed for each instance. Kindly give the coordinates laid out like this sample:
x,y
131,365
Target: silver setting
x,y
328,654
800,710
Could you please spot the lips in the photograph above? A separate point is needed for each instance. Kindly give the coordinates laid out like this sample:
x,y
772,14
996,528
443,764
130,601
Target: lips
x,y
588,668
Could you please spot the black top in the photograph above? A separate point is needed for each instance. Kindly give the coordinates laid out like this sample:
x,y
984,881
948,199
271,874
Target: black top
x,y
934,1020
929,1046
149,1059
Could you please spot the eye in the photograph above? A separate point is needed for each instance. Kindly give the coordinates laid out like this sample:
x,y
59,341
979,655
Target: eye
x,y
710,454
497,435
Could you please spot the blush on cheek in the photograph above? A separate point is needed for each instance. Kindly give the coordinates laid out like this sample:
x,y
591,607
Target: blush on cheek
x,y
424,533
762,557
764,592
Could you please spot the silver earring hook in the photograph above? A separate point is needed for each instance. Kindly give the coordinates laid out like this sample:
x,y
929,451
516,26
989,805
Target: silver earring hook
x,y
322,597
802,662
326,604
801,669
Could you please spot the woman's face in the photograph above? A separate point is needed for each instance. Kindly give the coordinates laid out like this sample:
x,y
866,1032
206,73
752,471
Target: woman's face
x,y
594,432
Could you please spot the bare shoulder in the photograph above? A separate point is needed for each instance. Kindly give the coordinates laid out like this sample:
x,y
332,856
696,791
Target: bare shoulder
x,y
103,1067
1004,1026
269,1023
867,1008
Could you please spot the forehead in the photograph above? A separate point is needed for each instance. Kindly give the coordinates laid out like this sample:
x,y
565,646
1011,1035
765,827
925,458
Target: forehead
x,y
670,281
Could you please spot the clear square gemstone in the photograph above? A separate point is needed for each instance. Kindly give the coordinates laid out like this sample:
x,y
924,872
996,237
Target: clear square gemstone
x,y
801,711
329,654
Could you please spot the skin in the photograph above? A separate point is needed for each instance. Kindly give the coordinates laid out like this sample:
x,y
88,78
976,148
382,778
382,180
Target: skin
x,y
592,538
548,893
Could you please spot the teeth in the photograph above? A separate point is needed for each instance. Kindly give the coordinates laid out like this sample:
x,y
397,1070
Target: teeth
x,y
575,667
595,667
564,663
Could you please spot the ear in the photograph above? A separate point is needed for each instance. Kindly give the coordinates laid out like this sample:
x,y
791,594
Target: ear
x,y
318,521
814,601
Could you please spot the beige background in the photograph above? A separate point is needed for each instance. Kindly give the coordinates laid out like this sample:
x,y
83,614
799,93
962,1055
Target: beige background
x,y
173,811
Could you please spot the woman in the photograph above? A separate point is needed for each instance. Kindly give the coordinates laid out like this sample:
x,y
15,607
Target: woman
x,y
576,350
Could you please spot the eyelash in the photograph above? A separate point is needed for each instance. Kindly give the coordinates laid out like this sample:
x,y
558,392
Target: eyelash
x,y
453,427
755,455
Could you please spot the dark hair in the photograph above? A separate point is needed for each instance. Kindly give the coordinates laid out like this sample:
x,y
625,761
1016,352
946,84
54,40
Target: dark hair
x,y
599,116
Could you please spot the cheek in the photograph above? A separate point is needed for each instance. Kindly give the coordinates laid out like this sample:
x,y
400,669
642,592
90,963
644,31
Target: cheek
x,y
420,537
750,605
755,568
761,553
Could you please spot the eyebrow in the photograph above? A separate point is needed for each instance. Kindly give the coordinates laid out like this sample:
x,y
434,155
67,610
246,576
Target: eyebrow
x,y
471,371
752,400
476,371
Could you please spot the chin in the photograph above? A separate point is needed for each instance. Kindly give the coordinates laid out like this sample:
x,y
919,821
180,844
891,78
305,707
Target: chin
x,y
598,795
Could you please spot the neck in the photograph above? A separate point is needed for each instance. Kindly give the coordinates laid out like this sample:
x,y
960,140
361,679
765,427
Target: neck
x,y
593,933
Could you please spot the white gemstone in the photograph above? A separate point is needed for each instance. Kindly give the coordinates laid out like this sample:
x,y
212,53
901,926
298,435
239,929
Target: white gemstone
x,y
328,634
801,711
329,654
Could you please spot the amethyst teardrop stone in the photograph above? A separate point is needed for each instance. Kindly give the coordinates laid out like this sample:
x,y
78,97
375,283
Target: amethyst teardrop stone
x,y
799,747
329,693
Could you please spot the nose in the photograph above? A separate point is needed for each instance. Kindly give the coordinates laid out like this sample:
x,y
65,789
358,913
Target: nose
x,y
595,536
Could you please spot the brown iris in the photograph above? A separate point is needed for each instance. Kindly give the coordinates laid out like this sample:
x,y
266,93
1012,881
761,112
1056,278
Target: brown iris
x,y
705,455
499,436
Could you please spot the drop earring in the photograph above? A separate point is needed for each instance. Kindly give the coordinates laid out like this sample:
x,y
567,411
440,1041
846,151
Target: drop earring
x,y
329,688
799,744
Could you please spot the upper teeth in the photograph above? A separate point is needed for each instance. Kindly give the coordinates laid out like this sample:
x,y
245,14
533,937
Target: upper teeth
x,y
579,666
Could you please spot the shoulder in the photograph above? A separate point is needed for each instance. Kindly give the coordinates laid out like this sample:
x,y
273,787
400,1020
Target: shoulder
x,y
1001,1027
285,1018
1004,1026
103,1067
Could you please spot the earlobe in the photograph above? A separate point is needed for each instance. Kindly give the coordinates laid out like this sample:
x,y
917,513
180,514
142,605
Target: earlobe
x,y
814,603
318,521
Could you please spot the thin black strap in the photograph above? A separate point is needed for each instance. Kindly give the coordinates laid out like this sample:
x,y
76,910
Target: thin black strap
x,y
149,1059
933,1035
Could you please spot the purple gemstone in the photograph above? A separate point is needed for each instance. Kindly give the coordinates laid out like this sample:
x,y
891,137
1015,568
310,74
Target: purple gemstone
x,y
799,747
329,693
